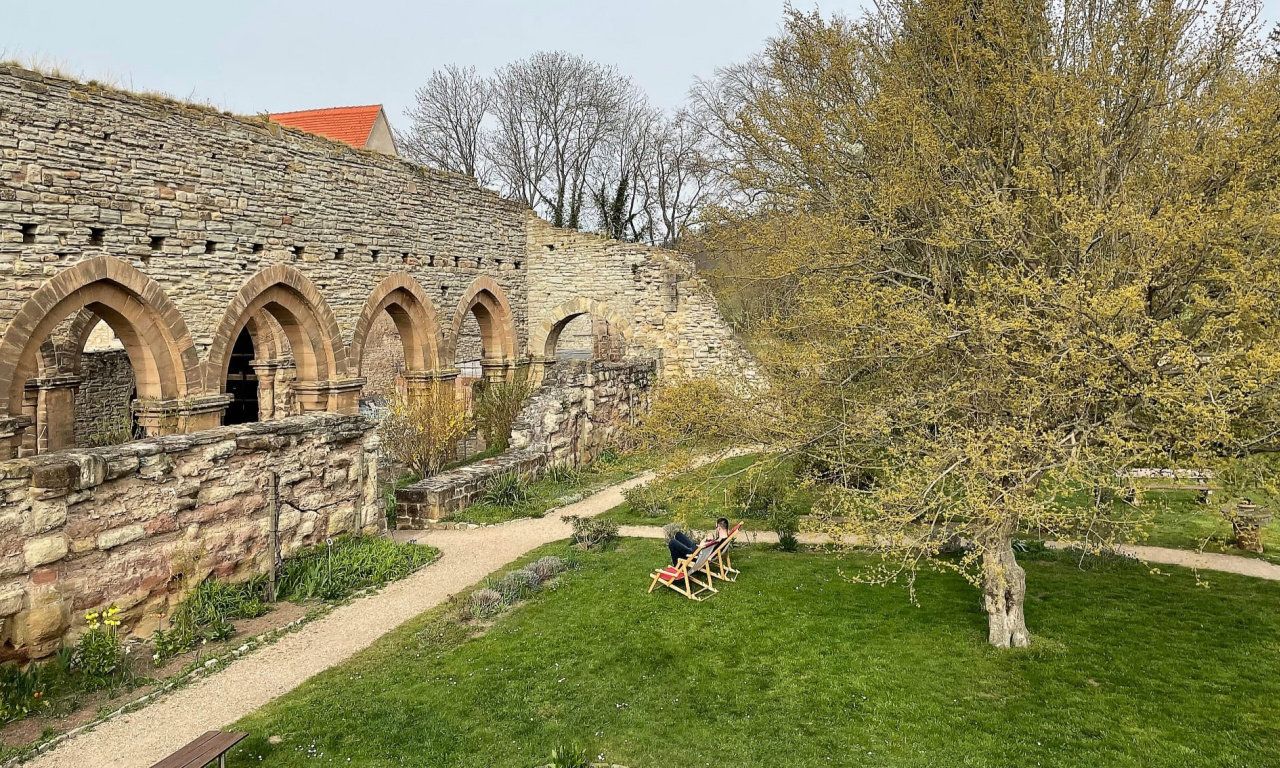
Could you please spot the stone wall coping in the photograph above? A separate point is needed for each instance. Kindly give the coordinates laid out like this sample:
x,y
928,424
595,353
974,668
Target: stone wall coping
x,y
87,467
494,465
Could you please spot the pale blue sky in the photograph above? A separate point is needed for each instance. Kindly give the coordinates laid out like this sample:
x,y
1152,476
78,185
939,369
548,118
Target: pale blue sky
x,y
254,56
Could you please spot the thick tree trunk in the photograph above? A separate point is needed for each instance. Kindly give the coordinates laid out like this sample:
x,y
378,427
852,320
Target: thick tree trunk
x,y
1004,590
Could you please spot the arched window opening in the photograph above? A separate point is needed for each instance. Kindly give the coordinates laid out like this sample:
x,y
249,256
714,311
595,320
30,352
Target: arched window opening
x,y
242,382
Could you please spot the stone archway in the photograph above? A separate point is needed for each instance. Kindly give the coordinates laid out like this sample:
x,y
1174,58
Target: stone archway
x,y
152,331
612,331
306,322
485,301
415,320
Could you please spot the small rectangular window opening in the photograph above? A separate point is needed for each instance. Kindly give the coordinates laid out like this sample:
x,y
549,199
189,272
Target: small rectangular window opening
x,y
374,253
339,254
455,261
404,257
157,242
297,251
28,234
210,246
257,248
431,260
96,235
516,265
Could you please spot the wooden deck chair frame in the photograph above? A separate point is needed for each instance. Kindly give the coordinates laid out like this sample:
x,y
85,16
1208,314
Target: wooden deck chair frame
x,y
681,576
721,566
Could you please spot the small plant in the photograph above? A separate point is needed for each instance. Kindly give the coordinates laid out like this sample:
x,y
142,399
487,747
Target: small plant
x,y
609,458
485,603
547,567
566,756
648,500
99,657
206,614
784,522
517,585
339,567
592,532
563,474
422,427
509,489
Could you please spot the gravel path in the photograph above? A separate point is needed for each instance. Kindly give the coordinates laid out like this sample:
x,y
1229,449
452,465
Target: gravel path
x,y
139,739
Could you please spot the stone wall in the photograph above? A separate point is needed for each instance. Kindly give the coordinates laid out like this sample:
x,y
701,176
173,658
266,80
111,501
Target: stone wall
x,y
570,419
81,530
104,398
383,358
200,201
651,295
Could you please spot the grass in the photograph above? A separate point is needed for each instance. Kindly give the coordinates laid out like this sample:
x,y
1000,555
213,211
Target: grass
x,y
706,493
793,665
553,489
1184,523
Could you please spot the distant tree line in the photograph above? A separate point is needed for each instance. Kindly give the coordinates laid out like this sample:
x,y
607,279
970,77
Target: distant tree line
x,y
573,139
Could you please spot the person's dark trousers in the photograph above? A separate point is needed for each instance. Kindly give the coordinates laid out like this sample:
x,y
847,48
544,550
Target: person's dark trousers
x,y
680,546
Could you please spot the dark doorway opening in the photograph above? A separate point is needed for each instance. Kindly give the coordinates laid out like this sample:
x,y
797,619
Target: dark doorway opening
x,y
242,382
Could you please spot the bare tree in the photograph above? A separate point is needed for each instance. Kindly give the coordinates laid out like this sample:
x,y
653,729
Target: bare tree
x,y
446,132
682,176
621,176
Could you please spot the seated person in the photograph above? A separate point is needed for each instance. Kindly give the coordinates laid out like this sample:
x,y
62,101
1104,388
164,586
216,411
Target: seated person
x,y
681,546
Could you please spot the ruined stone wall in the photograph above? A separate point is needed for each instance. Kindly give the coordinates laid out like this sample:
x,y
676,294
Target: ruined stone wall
x,y
104,398
81,530
200,200
383,358
570,419
654,294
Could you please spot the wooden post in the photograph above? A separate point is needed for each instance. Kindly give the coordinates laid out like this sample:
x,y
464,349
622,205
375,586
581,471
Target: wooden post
x,y
273,535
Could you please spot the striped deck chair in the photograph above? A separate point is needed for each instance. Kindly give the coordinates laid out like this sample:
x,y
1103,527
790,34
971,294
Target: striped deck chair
x,y
682,576
721,566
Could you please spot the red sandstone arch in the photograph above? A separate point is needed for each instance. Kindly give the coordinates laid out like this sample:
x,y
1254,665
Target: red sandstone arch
x,y
415,318
269,341
154,335
486,300
304,318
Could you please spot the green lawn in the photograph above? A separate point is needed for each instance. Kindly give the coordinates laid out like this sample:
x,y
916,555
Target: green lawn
x,y
705,494
1183,523
793,666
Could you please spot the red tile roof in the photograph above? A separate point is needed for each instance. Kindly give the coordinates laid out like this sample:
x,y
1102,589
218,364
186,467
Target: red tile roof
x,y
348,124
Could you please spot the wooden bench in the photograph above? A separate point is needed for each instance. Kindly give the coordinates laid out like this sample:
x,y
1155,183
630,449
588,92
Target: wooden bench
x,y
210,746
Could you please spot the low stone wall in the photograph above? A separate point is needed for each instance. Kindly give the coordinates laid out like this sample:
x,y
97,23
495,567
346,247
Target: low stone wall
x,y
81,530
104,397
569,419
418,505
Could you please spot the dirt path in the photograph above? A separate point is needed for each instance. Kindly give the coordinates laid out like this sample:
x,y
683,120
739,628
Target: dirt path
x,y
139,739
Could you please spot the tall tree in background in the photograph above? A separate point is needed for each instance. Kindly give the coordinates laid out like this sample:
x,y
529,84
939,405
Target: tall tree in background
x,y
1026,247
447,115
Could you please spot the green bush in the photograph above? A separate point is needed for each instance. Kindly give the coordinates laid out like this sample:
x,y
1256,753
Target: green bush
x,y
759,494
509,489
592,532
517,585
547,567
340,567
786,523
563,474
485,603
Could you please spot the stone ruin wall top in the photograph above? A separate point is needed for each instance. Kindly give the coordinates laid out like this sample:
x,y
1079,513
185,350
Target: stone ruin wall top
x,y
230,196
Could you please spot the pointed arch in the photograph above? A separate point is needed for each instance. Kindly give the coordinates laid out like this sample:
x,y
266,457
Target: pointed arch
x,y
485,299
414,316
305,320
544,337
154,335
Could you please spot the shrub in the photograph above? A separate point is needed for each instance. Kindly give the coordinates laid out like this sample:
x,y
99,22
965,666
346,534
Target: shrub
x,y
592,532
609,458
759,494
516,586
547,567
509,489
497,405
564,756
485,603
336,569
648,500
784,522
422,427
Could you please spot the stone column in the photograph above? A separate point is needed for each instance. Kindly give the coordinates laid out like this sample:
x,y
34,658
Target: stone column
x,y
286,377
27,444
344,394
495,370
266,371
311,396
56,413
12,431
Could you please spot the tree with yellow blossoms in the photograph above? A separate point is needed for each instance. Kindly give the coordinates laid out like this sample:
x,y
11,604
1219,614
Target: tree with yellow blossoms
x,y
1012,250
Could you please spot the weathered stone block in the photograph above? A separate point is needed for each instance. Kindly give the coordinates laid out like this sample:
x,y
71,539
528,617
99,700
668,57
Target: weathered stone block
x,y
12,596
123,535
44,550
